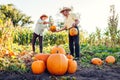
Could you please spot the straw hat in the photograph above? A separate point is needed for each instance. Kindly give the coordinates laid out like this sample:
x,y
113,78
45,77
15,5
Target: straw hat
x,y
44,15
65,9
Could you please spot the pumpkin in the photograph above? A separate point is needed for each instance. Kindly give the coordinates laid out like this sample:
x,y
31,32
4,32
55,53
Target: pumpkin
x,y
38,67
57,64
41,56
2,53
58,49
73,32
69,56
97,61
1,40
23,53
11,53
53,28
110,59
72,66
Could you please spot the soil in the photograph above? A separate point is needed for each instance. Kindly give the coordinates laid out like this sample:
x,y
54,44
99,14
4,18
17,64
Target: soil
x,y
91,73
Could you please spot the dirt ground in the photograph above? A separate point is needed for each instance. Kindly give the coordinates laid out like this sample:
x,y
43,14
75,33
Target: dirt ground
x,y
92,73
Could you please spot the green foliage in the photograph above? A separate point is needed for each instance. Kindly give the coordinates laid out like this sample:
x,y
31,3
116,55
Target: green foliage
x,y
113,22
12,64
22,35
88,52
55,38
98,49
16,16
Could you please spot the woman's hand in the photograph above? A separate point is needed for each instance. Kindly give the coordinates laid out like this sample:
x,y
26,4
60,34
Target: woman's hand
x,y
57,31
44,22
47,22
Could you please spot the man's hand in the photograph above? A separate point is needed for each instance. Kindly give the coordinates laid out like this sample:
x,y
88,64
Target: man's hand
x,y
73,25
76,23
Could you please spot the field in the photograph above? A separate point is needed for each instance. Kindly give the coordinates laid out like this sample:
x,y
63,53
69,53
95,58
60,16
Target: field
x,y
16,56
16,61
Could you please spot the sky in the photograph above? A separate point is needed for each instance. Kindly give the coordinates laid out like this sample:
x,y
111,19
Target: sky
x,y
93,13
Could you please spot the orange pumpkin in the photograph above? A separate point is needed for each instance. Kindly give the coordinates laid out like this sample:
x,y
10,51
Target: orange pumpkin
x,y
73,32
110,59
11,53
23,53
4,51
97,61
1,54
53,28
69,56
38,67
1,40
58,49
72,66
40,56
57,64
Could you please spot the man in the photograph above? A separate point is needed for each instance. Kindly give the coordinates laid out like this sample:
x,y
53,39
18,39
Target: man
x,y
71,21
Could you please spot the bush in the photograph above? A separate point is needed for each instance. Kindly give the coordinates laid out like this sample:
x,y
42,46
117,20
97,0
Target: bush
x,y
24,36
55,38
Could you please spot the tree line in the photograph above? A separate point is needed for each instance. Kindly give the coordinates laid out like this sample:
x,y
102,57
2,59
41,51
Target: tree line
x,y
10,13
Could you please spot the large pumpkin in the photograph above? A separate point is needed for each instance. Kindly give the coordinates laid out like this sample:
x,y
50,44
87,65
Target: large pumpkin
x,y
72,66
57,64
97,61
53,28
38,67
58,49
41,56
73,32
110,59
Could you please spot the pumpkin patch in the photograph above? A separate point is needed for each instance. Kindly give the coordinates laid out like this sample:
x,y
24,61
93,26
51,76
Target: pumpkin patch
x,y
94,53
56,63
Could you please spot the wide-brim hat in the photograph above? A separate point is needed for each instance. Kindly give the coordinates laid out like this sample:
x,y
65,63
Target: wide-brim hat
x,y
43,15
65,9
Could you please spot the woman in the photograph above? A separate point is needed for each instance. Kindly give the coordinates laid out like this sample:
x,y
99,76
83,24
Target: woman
x,y
41,25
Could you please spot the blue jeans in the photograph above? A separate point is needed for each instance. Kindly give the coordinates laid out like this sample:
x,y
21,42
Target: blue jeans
x,y
74,45
40,42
